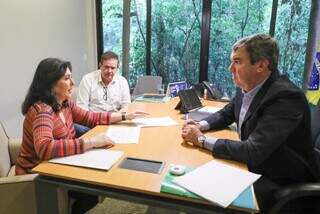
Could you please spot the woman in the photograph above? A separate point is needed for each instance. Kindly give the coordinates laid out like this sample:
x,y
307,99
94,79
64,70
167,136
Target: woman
x,y
48,130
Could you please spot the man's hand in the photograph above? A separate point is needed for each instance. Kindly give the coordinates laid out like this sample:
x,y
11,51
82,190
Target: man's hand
x,y
191,122
190,133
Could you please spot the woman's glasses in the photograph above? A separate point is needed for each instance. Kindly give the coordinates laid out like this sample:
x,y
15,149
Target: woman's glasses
x,y
105,95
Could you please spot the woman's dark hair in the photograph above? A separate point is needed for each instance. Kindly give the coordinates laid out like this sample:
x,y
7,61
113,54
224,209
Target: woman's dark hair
x,y
48,72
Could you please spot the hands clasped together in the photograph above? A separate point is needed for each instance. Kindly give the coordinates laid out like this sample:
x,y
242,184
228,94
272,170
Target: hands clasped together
x,y
191,132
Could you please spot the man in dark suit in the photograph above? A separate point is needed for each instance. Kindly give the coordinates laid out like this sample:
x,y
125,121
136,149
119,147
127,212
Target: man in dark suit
x,y
272,117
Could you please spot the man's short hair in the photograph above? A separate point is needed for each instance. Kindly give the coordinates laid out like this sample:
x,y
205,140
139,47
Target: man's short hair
x,y
109,55
260,46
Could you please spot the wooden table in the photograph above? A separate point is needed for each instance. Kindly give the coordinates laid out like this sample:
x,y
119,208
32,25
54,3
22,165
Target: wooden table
x,y
155,143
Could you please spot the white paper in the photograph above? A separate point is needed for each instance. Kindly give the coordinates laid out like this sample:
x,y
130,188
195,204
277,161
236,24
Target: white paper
x,y
217,182
157,121
124,135
95,158
209,109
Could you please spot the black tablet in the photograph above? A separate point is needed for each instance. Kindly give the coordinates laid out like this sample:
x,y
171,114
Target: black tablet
x,y
189,100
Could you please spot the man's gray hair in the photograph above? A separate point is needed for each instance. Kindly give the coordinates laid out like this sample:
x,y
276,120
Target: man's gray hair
x,y
260,46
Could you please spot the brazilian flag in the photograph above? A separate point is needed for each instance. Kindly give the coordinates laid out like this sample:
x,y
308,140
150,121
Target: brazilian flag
x,y
313,93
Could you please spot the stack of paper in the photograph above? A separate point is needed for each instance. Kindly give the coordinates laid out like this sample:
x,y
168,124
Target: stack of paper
x,y
244,200
96,158
217,182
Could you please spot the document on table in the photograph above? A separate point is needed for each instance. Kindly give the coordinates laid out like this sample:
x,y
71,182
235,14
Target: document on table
x,y
217,182
124,135
156,121
209,109
95,158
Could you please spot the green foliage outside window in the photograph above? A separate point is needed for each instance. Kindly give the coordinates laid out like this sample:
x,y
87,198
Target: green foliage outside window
x,y
291,32
230,21
175,39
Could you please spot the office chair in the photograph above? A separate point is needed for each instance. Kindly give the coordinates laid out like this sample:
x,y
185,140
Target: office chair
x,y
146,84
310,190
17,193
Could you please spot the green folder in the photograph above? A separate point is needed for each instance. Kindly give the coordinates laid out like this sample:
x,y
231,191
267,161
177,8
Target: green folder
x,y
244,200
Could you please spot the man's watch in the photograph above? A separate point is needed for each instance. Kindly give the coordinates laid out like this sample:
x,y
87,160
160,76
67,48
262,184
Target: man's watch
x,y
201,140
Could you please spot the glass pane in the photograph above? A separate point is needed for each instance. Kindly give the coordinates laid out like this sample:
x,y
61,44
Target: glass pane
x,y
231,20
112,18
292,33
176,39
112,25
137,57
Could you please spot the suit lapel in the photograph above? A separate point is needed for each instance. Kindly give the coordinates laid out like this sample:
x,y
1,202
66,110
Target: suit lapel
x,y
238,104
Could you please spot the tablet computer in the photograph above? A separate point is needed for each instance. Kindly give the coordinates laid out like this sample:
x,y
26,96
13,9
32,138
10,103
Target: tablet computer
x,y
189,100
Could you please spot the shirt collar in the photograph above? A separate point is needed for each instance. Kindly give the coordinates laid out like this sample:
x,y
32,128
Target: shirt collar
x,y
255,90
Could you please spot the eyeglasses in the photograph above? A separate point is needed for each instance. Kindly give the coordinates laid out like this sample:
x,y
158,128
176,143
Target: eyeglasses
x,y
105,95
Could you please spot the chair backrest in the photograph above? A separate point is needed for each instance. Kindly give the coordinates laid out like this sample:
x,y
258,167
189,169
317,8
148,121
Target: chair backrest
x,y
5,163
147,84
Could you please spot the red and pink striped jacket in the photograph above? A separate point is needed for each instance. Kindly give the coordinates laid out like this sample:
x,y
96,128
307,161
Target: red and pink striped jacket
x,y
46,136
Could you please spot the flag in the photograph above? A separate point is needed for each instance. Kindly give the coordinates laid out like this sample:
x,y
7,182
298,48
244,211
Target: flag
x,y
313,93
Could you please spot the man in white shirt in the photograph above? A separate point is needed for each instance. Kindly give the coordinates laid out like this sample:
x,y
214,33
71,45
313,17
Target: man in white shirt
x,y
103,89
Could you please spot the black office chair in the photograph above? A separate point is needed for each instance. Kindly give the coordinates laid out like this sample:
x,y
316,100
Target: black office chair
x,y
308,190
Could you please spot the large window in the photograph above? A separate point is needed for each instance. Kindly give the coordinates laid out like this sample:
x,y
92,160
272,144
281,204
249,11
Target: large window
x,y
292,33
175,36
231,20
112,19
175,40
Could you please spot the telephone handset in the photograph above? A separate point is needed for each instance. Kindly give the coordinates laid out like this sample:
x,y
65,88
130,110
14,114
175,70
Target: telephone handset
x,y
213,93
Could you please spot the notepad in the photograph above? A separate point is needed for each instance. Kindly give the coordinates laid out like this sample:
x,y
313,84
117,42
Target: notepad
x,y
96,158
220,183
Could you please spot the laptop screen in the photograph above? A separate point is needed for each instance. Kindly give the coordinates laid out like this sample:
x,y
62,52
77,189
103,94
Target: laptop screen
x,y
174,88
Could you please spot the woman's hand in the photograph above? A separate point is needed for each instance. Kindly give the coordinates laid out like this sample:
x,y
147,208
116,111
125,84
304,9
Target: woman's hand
x,y
136,114
98,141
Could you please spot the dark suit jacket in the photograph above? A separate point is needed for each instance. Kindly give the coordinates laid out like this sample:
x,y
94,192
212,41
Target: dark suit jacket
x,y
276,137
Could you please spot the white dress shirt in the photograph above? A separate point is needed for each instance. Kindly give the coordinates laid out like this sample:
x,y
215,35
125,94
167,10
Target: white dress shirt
x,y
91,93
